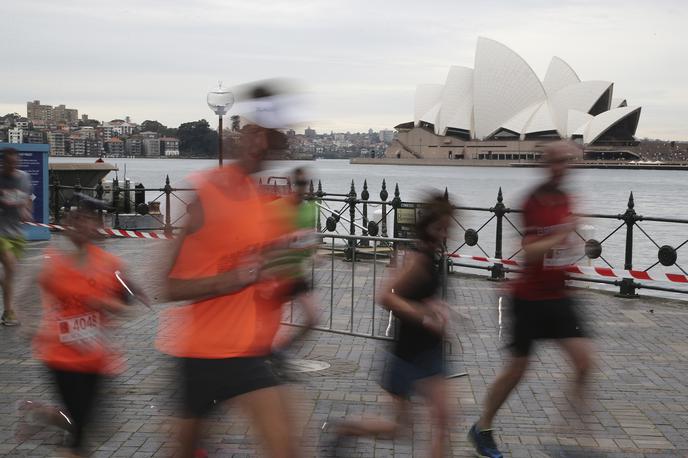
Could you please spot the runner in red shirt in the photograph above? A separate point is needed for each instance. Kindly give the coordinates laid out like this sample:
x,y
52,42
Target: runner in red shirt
x,y
542,308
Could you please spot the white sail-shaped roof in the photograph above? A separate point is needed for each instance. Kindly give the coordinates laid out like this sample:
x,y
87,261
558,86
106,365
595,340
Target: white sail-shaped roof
x,y
603,121
503,93
580,96
503,85
576,122
519,122
619,102
457,101
432,115
427,96
559,75
541,121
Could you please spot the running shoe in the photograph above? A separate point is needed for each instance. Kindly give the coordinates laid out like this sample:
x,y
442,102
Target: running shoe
x,y
9,319
484,444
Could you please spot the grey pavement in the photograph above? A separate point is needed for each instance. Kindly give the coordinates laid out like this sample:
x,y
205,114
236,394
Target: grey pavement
x,y
638,398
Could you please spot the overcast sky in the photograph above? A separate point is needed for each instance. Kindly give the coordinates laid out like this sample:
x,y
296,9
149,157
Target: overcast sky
x,y
361,60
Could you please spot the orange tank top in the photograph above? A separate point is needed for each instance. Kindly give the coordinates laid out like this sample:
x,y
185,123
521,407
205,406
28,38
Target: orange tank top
x,y
72,335
234,224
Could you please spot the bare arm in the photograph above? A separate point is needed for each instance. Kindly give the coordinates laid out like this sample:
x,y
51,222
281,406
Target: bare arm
x,y
218,285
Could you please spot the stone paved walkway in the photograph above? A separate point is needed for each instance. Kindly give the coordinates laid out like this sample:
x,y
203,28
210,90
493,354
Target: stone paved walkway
x,y
638,398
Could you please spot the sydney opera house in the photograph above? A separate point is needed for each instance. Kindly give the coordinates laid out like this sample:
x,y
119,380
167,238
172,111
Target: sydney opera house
x,y
501,110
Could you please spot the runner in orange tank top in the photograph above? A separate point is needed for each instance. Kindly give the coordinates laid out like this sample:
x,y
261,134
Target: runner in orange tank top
x,y
80,289
223,336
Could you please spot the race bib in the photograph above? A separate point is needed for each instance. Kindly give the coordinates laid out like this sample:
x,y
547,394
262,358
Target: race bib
x,y
562,256
81,331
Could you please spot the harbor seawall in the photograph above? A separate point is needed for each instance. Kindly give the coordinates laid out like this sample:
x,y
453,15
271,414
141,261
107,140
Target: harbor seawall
x,y
497,163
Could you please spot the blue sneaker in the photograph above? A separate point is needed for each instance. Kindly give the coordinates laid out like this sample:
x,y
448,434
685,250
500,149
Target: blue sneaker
x,y
483,443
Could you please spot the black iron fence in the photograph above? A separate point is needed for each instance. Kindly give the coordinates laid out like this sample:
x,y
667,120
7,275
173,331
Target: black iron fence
x,y
490,232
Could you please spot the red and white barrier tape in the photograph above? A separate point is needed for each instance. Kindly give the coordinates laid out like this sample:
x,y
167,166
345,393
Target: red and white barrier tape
x,y
113,232
592,271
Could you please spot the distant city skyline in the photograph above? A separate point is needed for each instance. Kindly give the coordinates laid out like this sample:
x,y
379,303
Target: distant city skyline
x,y
361,61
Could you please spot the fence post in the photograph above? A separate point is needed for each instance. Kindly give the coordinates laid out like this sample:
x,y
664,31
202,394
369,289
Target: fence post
x,y
383,196
499,210
168,207
396,203
351,199
76,195
319,195
365,195
627,287
127,197
99,195
115,199
56,199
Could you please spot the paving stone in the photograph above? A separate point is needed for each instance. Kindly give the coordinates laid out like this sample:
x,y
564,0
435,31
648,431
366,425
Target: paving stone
x,y
637,405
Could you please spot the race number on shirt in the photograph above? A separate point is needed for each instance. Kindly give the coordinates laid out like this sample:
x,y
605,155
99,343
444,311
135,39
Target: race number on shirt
x,y
80,330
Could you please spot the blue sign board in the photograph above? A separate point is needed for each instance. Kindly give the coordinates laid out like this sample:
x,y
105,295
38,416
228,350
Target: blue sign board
x,y
33,159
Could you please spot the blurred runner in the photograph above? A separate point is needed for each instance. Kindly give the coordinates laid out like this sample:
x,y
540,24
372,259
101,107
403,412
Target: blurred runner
x,y
80,289
15,207
416,363
291,261
223,337
542,307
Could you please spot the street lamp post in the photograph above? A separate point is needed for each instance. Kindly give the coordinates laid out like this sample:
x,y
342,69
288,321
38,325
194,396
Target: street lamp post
x,y
220,100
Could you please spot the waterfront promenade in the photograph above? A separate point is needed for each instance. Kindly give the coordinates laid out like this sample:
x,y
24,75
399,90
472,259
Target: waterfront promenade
x,y
639,397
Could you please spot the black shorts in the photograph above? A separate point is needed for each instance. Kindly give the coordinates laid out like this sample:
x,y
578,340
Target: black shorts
x,y
78,391
402,374
210,381
545,319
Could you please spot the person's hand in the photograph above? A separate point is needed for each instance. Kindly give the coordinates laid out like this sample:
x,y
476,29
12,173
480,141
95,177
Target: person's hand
x,y
435,317
249,270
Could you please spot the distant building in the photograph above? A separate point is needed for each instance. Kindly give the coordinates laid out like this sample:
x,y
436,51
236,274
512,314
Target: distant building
x,y
309,133
15,135
33,136
58,115
57,142
36,111
169,147
386,136
115,147
76,146
118,128
94,148
151,147
134,146
87,132
22,123
64,115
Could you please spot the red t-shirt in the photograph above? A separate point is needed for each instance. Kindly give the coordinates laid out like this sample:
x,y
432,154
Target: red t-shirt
x,y
544,212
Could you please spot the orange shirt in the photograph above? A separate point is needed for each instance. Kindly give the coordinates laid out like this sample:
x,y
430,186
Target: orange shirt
x,y
234,224
71,335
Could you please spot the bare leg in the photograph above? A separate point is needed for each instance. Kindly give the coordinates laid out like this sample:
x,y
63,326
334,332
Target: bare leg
x,y
270,415
580,350
435,391
501,388
375,426
9,264
189,435
310,310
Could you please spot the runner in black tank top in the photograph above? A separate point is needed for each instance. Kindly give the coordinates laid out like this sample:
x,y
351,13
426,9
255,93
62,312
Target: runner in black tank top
x,y
415,364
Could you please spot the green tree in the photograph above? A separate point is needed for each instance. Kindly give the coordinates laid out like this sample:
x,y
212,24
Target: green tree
x,y
197,138
89,123
152,126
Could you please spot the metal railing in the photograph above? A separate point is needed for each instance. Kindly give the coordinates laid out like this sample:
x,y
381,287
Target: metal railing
x,y
337,209
364,220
